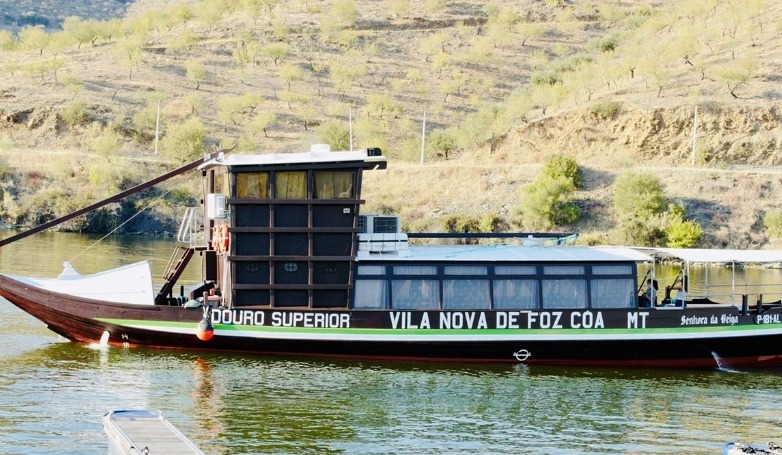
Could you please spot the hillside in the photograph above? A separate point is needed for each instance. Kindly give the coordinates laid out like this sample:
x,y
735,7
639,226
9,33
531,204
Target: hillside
x,y
613,84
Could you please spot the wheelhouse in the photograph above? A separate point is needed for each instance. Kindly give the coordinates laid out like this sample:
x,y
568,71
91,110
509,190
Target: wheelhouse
x,y
291,222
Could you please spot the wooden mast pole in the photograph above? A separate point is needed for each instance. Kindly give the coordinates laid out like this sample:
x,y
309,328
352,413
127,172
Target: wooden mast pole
x,y
114,198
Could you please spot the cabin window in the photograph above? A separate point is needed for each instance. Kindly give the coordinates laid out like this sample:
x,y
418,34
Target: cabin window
x,y
612,270
221,182
252,185
290,185
563,270
515,294
371,270
466,294
415,270
371,294
415,294
515,270
564,293
465,270
333,184
613,293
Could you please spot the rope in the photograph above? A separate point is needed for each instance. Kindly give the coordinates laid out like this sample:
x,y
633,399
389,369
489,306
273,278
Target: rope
x,y
154,203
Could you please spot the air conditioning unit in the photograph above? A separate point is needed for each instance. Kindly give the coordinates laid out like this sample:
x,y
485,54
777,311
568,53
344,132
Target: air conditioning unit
x,y
378,224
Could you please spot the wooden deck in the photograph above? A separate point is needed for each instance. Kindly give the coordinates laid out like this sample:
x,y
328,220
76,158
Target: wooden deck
x,y
137,432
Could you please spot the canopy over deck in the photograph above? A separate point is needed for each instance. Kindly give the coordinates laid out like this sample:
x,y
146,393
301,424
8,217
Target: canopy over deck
x,y
704,256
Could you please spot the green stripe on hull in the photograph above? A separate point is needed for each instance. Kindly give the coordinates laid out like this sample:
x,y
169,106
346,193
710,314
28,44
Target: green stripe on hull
x,y
364,331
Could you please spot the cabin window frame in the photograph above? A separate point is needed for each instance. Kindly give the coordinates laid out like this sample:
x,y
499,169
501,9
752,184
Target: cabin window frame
x,y
605,293
290,184
508,291
564,287
246,188
604,282
415,294
371,270
333,184
371,295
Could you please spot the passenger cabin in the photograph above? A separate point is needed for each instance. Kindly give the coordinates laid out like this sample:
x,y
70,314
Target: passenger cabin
x,y
393,275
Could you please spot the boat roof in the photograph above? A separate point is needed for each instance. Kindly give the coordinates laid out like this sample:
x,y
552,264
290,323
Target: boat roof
x,y
702,255
514,253
318,153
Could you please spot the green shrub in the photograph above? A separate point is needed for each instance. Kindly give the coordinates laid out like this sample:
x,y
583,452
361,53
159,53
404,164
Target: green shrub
x,y
9,209
546,204
637,196
260,123
105,143
643,233
466,224
6,143
442,142
460,224
570,64
639,203
74,113
334,133
560,165
605,111
105,176
490,223
544,78
773,223
180,197
7,40
145,121
683,234
184,141
604,44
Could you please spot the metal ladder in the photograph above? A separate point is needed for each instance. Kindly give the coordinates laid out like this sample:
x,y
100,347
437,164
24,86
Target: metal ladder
x,y
176,265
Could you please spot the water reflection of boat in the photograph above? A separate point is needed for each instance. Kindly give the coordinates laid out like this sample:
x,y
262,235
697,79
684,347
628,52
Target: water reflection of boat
x,y
290,267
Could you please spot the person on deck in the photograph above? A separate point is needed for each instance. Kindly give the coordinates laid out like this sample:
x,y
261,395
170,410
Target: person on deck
x,y
681,293
649,298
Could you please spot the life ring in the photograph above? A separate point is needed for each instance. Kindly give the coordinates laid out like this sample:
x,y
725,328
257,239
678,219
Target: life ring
x,y
215,238
220,238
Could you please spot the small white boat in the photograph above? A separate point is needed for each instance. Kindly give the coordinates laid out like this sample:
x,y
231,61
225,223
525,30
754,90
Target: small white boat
x,y
737,448
142,432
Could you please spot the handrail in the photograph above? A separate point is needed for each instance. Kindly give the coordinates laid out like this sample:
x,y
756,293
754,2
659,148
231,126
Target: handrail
x,y
485,235
185,233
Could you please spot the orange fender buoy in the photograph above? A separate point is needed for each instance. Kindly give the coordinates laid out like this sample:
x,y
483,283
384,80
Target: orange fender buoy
x,y
216,238
205,331
224,238
220,238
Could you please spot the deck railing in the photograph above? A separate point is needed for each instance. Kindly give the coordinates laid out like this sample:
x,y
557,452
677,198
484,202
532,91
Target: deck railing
x,y
191,229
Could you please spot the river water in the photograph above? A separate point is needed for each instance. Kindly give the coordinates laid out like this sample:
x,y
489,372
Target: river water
x,y
53,393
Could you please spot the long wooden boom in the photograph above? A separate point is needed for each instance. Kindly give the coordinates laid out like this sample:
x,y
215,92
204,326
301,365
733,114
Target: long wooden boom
x,y
109,200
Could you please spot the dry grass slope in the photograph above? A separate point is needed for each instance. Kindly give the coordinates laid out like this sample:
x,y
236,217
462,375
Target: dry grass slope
x,y
627,104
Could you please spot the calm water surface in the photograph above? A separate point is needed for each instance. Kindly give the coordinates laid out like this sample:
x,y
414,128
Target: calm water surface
x,y
53,393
